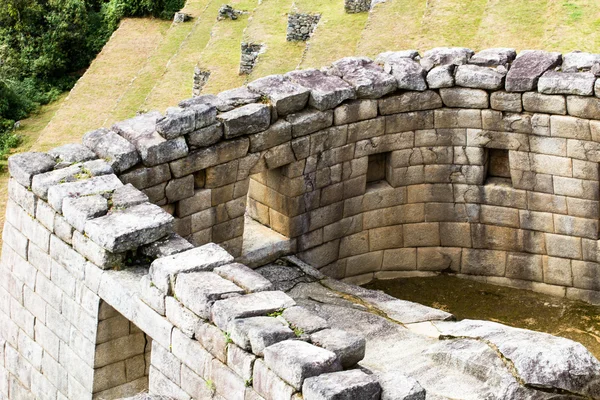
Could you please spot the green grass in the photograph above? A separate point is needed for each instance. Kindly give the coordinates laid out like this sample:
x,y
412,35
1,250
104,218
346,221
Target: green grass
x,y
222,53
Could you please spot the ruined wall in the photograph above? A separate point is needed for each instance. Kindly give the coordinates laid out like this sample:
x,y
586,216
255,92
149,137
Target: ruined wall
x,y
480,165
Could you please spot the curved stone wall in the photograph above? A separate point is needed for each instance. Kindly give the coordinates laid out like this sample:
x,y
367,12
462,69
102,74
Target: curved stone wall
x,y
476,164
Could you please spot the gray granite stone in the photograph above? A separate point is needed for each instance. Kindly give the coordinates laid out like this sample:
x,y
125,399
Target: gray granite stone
x,y
127,196
203,258
445,56
131,228
493,57
237,97
181,121
295,360
577,61
396,386
244,277
166,246
286,96
95,185
304,320
116,150
78,210
326,91
344,385
256,333
528,67
199,290
474,76
577,83
250,305
24,166
206,136
441,76
349,347
152,147
409,74
72,153
245,120
368,79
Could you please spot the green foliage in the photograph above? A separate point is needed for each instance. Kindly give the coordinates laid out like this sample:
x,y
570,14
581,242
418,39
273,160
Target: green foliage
x,y
45,45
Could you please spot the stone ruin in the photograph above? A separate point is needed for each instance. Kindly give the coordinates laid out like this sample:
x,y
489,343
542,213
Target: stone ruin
x,y
250,52
180,17
125,259
301,26
228,12
201,76
357,6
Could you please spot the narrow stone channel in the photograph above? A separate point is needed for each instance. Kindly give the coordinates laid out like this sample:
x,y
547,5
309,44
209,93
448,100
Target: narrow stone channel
x,y
468,299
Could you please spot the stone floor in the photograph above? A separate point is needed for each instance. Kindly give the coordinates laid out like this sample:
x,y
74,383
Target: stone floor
x,y
451,360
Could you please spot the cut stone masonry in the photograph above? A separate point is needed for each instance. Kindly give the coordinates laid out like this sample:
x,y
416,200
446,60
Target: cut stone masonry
x,y
119,273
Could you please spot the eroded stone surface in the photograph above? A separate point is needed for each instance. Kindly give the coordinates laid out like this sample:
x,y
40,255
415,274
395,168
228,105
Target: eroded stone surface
x,y
368,79
286,96
23,167
326,91
107,144
353,384
528,67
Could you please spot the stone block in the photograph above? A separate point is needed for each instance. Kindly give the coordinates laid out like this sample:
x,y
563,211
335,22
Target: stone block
x,y
268,384
349,347
584,107
563,246
464,98
213,339
367,78
166,246
544,103
219,153
481,77
152,147
257,333
353,384
410,121
244,277
422,234
248,119
537,221
130,228
396,386
576,188
410,101
23,197
557,271
160,385
199,290
438,259
78,210
573,226
528,67
191,353
180,316
99,256
179,189
586,275
107,144
387,237
493,57
286,96
144,177
179,122
409,74
294,361
251,305
505,101
71,153
278,133
441,76
452,118
24,166
226,381
501,216
94,185
304,320
483,262
326,91
576,83
355,110
366,129
206,136
524,266
506,122
582,208
309,121
195,385
570,127
446,56
200,201
127,196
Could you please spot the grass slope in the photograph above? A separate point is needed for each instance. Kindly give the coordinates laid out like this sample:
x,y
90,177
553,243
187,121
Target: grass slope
x,y
93,98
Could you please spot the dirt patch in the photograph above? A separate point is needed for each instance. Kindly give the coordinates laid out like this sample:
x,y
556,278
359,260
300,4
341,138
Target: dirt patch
x,y
519,308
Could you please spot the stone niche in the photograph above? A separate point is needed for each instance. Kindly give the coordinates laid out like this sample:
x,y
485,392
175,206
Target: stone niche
x,y
357,6
301,26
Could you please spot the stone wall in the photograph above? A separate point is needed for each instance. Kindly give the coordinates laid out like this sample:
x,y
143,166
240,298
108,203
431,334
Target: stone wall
x,y
250,52
101,300
479,165
301,26
357,6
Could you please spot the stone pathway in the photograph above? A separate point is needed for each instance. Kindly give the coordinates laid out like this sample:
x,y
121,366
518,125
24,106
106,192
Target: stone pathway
x,y
450,360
